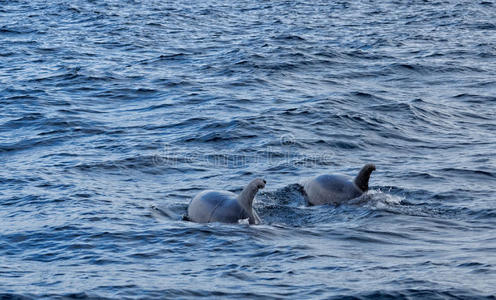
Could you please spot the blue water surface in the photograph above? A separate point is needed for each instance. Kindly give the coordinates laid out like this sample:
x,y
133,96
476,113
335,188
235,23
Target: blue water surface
x,y
115,113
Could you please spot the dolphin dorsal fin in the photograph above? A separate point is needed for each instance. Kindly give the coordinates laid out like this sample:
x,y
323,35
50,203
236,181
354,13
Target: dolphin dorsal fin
x,y
362,179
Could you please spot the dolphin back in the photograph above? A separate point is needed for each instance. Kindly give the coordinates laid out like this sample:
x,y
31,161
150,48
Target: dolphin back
x,y
215,206
330,189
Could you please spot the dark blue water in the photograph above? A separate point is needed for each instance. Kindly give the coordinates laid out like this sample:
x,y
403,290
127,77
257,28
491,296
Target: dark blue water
x,y
113,112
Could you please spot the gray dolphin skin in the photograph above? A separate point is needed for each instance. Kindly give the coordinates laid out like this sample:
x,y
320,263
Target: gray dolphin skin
x,y
226,207
336,189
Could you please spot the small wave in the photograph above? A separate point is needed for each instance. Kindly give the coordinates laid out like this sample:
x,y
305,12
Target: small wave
x,y
143,163
425,69
483,214
377,199
468,173
17,296
225,131
289,37
472,98
393,107
416,294
4,30
31,143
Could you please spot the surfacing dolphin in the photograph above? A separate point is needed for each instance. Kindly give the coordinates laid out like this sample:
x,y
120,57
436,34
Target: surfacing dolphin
x,y
336,189
226,207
